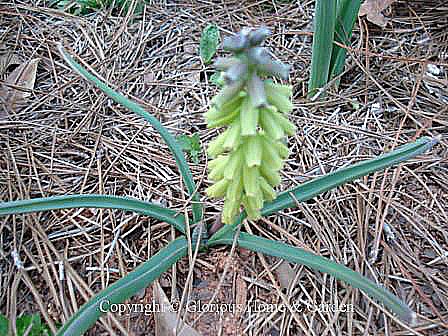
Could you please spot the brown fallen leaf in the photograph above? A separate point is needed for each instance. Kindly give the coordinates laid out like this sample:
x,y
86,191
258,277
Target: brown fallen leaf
x,y
166,316
373,9
15,90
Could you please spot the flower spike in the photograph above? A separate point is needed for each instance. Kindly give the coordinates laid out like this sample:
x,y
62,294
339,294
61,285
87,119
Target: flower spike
x,y
248,155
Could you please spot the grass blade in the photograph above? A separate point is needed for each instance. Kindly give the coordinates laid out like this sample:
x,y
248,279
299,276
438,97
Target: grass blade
x,y
124,288
94,201
345,20
324,25
134,107
319,185
300,256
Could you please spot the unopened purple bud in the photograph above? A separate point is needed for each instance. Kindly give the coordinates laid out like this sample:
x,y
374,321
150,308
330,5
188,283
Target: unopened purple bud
x,y
256,91
259,55
224,63
233,44
256,37
237,42
236,72
276,69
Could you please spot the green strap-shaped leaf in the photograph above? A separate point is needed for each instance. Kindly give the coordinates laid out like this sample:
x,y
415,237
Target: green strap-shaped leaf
x,y
134,107
94,201
300,256
324,24
346,18
124,288
319,185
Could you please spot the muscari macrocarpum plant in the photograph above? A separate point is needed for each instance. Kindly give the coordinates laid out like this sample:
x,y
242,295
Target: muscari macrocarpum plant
x,y
250,152
243,74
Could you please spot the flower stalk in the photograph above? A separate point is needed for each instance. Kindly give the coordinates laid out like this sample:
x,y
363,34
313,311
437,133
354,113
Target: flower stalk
x,y
248,155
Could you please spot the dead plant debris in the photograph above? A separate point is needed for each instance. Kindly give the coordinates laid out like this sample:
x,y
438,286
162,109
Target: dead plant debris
x,y
373,10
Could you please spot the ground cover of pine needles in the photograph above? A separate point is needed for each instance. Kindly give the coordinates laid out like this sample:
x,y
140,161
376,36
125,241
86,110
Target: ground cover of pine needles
x,y
69,138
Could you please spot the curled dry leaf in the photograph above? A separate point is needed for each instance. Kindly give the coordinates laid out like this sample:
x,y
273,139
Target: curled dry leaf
x,y
16,88
166,316
373,9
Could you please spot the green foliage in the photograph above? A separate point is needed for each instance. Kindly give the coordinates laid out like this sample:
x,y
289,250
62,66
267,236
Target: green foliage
x,y
302,257
345,20
78,7
308,190
84,7
94,201
4,325
324,25
124,288
166,136
30,325
190,145
209,43
37,328
317,186
333,22
217,79
311,189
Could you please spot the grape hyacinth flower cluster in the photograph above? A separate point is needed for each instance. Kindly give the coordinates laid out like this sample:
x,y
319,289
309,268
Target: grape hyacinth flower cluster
x,y
248,155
